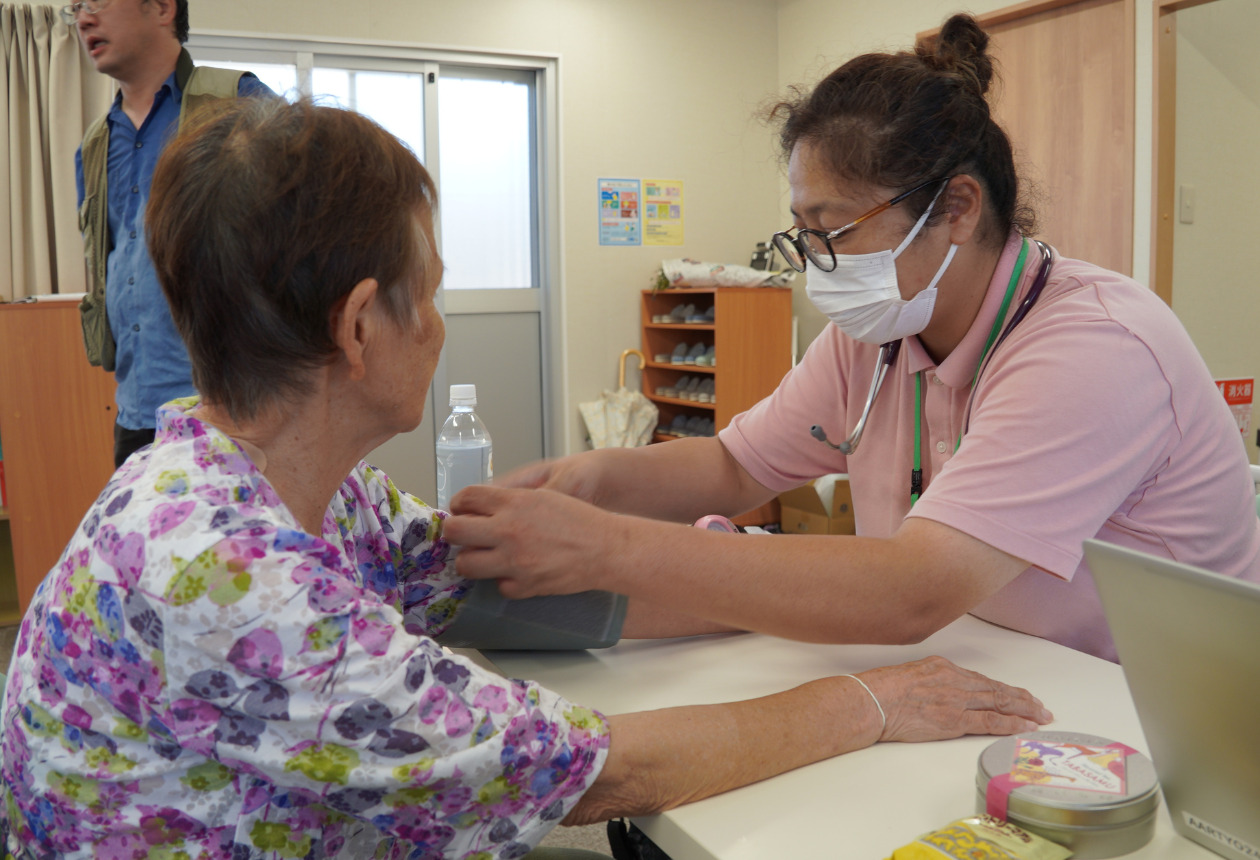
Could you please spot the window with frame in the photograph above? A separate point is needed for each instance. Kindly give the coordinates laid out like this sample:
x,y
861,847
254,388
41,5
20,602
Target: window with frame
x,y
478,125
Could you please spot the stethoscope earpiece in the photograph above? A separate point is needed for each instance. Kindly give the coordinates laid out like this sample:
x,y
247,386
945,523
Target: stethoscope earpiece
x,y
845,447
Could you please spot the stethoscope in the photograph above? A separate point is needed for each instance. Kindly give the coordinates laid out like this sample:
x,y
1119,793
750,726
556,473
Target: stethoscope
x,y
888,352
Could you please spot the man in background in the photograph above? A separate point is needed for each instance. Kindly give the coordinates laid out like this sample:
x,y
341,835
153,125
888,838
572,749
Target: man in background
x,y
127,325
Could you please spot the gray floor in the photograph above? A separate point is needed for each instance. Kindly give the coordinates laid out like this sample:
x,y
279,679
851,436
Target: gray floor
x,y
592,838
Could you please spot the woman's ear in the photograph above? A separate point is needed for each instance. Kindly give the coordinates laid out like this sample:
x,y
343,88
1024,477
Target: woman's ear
x,y
964,199
353,324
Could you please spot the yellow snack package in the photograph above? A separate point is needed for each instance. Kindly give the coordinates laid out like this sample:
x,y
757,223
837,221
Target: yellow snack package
x,y
981,838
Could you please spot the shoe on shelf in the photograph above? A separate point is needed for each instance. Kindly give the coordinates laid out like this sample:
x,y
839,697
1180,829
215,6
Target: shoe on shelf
x,y
695,426
701,317
679,355
677,427
710,316
695,352
671,316
710,357
679,388
705,391
680,313
692,391
709,428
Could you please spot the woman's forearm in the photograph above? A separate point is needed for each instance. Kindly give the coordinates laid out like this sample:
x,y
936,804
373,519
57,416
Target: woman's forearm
x,y
661,759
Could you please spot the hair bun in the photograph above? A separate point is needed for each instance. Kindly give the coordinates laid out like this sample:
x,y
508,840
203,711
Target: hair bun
x,y
962,47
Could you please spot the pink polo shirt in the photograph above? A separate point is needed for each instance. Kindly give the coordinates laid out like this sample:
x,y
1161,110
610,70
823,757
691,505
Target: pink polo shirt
x,y
1096,417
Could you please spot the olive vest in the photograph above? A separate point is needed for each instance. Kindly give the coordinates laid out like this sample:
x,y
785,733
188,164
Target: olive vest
x,y
199,85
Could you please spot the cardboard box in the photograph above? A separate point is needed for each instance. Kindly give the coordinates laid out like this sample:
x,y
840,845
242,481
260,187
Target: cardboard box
x,y
824,507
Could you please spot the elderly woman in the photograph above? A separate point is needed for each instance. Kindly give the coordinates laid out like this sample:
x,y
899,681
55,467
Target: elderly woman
x,y
233,656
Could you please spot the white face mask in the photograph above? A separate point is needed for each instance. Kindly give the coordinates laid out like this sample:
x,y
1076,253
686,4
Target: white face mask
x,y
861,295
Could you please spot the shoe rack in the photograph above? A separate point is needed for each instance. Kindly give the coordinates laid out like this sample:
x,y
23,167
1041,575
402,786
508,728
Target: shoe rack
x,y
749,331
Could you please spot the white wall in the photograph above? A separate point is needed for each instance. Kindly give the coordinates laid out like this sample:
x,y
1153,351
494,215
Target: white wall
x,y
815,36
665,89
1218,126
1216,258
649,88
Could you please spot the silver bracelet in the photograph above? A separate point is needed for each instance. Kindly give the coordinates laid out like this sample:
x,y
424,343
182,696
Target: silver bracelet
x,y
883,720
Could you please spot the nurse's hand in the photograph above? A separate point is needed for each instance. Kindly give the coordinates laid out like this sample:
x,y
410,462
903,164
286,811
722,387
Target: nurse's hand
x,y
532,541
932,699
575,475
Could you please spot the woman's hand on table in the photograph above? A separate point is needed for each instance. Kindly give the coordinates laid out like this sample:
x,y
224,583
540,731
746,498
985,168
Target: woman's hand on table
x,y
932,699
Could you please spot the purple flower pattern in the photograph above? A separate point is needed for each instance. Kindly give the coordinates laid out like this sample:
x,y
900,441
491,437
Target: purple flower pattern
x,y
199,678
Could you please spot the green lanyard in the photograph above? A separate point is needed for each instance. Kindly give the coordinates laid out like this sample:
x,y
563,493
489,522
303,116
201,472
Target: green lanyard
x,y
916,474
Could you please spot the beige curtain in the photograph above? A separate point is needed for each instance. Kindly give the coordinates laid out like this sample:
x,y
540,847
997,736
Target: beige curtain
x,y
49,93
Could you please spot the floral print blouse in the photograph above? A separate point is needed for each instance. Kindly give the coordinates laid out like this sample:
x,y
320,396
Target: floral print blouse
x,y
199,678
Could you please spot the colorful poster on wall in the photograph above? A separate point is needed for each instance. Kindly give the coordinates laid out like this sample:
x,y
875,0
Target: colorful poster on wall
x,y
620,219
1237,393
662,212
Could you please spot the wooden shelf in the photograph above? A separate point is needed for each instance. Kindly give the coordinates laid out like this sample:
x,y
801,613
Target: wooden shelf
x,y
682,326
678,401
4,514
689,368
751,333
669,437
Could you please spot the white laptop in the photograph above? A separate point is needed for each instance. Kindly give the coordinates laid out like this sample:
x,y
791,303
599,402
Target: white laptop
x,y
1189,643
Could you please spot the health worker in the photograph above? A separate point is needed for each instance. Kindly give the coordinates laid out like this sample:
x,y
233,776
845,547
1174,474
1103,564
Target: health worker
x,y
993,403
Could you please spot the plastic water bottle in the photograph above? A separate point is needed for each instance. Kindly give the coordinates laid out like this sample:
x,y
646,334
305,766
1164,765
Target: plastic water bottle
x,y
465,454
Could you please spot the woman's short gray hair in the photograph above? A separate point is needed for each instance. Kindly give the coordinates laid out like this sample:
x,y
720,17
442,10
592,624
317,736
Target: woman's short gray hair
x,y
263,215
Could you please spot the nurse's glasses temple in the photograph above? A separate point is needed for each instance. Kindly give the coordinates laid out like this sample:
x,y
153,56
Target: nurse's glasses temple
x,y
796,250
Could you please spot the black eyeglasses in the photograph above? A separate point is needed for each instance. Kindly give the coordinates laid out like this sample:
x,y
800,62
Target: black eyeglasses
x,y
815,245
70,14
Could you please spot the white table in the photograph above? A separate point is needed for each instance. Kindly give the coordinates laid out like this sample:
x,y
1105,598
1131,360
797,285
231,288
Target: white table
x,y
860,805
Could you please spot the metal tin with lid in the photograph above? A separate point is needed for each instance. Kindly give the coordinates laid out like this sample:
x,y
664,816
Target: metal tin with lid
x,y
1088,793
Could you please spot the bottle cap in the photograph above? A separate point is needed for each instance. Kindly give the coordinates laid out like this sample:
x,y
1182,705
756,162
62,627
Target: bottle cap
x,y
464,395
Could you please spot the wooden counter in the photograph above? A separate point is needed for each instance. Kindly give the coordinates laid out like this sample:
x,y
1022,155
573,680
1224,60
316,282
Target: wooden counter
x,y
56,419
